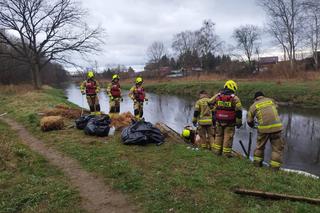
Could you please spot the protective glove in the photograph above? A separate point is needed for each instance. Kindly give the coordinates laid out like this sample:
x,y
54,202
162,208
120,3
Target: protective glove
x,y
111,98
194,122
238,123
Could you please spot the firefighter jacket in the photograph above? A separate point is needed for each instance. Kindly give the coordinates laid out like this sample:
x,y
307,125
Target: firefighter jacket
x,y
202,112
265,110
137,93
90,87
114,90
227,107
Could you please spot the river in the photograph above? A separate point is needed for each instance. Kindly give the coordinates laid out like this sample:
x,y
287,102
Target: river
x,y
302,135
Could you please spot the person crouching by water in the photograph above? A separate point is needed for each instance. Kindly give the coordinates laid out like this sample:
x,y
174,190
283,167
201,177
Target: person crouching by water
x,y
138,95
269,128
202,119
114,93
91,88
228,114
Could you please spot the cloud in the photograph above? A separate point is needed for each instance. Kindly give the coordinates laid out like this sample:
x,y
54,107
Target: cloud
x,y
133,25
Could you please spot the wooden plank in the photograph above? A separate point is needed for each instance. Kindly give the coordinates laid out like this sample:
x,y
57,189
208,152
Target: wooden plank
x,y
275,196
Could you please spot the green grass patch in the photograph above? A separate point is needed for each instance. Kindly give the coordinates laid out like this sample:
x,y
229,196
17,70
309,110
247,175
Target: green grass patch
x,y
172,177
28,183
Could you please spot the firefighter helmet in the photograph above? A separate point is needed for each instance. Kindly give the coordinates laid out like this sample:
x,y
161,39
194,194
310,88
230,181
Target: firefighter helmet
x,y
231,85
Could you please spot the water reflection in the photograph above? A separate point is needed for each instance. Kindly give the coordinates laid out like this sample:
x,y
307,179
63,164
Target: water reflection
x,y
302,135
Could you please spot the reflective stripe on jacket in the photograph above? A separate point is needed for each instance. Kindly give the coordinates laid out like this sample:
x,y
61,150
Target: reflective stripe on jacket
x,y
137,93
90,86
114,90
265,110
204,112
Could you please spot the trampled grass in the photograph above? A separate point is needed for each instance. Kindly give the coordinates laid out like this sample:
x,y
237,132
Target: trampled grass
x,y
169,177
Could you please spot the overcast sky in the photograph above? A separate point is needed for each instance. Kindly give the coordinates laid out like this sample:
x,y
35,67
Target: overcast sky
x,y
132,25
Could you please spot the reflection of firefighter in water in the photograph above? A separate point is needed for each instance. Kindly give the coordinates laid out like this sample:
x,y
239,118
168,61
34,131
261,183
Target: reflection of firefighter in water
x,y
138,95
114,93
228,114
91,88
269,128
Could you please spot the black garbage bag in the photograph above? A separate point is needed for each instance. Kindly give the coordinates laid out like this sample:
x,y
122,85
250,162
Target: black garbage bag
x,y
81,122
141,133
98,126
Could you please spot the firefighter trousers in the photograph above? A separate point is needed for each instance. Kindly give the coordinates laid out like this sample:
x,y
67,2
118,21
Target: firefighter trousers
x,y
206,134
277,146
224,139
114,106
93,102
138,109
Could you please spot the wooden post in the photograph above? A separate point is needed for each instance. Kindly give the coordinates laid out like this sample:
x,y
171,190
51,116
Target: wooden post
x,y
275,196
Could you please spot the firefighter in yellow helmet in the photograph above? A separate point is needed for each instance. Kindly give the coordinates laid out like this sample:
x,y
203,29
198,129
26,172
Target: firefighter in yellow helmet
x,y
189,134
138,95
91,88
202,119
269,128
114,93
227,114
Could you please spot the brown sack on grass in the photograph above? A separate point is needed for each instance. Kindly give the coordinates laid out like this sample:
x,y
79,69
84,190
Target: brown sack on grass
x,y
120,121
49,123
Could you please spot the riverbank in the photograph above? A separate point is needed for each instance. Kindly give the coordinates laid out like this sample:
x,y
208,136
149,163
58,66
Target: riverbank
x,y
166,178
299,94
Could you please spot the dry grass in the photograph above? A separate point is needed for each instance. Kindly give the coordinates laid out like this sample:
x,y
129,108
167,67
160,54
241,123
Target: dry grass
x,y
15,89
50,123
64,111
120,121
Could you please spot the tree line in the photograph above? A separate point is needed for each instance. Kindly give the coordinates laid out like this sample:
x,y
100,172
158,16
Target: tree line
x,y
293,25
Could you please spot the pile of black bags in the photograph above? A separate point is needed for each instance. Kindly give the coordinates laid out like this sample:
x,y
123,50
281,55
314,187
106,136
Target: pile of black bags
x,y
141,133
94,125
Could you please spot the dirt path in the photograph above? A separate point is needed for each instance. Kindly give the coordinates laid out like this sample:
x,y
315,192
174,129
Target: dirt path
x,y
96,196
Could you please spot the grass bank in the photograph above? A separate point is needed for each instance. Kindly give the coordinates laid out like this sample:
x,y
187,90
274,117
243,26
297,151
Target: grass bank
x,y
166,178
28,183
301,94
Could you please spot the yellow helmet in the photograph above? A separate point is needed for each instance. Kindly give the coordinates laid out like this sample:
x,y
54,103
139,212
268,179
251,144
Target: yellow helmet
x,y
186,133
139,80
231,85
90,74
115,77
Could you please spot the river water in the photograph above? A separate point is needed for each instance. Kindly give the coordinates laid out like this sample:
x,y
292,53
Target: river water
x,y
302,127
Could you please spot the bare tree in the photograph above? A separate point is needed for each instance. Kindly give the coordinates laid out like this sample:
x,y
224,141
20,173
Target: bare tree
x,y
187,41
285,24
46,30
209,41
156,51
247,38
312,8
